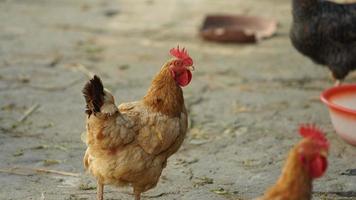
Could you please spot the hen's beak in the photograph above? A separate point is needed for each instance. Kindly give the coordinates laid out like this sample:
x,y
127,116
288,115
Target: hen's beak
x,y
324,153
191,68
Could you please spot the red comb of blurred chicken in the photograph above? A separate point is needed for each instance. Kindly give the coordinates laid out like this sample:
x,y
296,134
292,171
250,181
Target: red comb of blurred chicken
x,y
312,132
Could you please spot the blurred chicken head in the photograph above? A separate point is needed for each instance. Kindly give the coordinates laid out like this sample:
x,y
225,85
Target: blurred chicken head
x,y
313,150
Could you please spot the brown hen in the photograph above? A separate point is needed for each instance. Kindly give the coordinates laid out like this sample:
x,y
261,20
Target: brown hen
x,y
130,144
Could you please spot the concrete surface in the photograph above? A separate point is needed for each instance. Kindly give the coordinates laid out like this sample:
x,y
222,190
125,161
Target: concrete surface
x,y
245,101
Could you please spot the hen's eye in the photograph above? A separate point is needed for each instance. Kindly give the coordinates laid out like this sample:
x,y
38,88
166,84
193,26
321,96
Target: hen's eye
x,y
303,159
178,63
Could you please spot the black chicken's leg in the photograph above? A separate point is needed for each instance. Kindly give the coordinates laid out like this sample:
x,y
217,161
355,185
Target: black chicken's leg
x,y
337,82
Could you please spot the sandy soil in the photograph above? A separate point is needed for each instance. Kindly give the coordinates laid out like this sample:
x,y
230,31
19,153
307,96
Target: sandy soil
x,y
245,101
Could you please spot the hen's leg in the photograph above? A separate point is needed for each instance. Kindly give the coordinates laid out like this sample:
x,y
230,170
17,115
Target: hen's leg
x,y
100,191
137,194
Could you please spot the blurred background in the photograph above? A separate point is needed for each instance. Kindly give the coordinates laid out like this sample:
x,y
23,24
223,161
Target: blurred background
x,y
245,100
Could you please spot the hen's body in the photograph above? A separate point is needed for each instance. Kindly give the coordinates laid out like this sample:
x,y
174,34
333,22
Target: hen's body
x,y
151,138
326,32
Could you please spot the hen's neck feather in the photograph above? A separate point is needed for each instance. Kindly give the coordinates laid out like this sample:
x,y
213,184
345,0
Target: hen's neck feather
x,y
294,183
165,95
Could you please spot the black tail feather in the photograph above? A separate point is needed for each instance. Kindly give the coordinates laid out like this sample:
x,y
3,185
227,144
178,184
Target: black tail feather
x,y
93,92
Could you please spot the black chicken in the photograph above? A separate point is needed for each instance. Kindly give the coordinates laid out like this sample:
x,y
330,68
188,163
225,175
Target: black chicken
x,y
326,32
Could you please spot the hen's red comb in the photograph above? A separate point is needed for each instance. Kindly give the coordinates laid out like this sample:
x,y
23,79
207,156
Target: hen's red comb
x,y
182,54
314,133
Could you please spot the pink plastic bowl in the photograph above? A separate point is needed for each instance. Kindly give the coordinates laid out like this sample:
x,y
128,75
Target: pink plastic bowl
x,y
341,101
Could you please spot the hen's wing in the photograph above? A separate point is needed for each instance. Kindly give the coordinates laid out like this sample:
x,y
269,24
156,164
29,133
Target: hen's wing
x,y
156,132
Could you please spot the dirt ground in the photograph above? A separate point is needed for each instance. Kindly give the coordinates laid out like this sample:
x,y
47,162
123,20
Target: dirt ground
x,y
245,101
